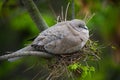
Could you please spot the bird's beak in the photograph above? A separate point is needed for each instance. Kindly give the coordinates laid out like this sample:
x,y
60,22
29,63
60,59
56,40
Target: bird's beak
x,y
85,27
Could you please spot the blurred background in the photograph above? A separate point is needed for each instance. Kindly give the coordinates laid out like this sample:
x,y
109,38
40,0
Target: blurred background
x,y
17,28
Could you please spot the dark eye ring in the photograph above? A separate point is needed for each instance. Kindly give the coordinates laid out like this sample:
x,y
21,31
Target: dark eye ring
x,y
79,25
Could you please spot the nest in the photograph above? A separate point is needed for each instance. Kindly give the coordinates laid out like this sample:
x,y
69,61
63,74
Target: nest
x,y
60,64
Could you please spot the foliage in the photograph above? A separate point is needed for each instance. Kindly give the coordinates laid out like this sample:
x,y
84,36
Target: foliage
x,y
87,71
16,27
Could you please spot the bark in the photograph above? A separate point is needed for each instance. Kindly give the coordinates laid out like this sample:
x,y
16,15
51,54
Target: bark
x,y
35,14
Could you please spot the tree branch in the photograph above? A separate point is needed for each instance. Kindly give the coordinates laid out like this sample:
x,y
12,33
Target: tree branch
x,y
27,51
35,14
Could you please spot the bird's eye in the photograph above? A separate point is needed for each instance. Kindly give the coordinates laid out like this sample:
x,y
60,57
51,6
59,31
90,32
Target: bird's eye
x,y
79,26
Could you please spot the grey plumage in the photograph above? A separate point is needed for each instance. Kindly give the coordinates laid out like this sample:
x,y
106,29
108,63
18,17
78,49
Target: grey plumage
x,y
63,38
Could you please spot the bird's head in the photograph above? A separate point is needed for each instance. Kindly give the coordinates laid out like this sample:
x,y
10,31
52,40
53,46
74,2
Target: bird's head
x,y
79,25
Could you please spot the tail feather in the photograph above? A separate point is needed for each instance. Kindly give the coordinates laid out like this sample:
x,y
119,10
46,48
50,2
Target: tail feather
x,y
27,48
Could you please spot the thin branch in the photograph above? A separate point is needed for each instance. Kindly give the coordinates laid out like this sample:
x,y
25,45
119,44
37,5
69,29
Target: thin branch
x,y
27,51
35,14
66,11
58,18
90,18
62,16
73,9
86,16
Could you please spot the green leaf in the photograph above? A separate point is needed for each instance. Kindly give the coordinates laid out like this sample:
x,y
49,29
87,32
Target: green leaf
x,y
74,66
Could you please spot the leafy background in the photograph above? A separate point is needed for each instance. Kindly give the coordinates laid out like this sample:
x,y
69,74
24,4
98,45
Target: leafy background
x,y
17,28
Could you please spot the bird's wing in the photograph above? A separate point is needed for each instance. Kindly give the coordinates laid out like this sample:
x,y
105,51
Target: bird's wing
x,y
67,44
50,35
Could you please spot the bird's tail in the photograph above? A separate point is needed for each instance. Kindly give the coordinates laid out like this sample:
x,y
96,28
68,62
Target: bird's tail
x,y
27,48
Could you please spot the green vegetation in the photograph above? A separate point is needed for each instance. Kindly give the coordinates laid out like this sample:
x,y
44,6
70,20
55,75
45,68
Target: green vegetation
x,y
101,55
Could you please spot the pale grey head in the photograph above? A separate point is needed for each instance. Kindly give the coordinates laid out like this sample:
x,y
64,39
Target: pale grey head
x,y
78,24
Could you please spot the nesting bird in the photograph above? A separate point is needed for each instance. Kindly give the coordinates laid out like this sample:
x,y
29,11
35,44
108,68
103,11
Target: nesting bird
x,y
63,38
